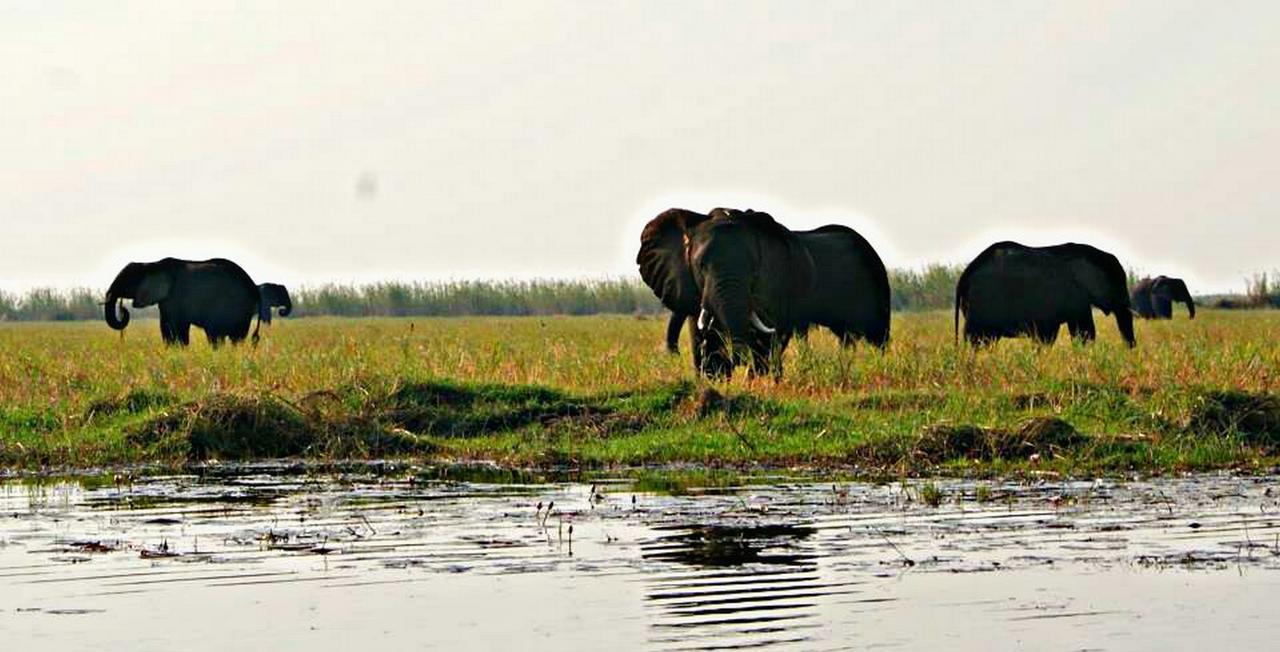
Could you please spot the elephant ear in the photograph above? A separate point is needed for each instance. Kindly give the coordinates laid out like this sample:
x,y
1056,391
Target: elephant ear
x,y
153,288
662,261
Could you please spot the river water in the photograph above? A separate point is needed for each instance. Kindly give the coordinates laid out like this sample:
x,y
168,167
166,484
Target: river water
x,y
267,560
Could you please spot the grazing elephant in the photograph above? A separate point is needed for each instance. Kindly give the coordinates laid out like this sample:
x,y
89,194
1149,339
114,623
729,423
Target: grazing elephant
x,y
216,295
754,282
1153,297
1011,289
273,295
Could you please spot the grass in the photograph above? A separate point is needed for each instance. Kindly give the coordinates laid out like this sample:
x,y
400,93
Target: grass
x,y
930,287
598,392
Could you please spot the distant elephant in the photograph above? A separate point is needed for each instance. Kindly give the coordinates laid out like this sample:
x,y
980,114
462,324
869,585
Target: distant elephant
x,y
1011,289
216,295
273,295
1153,297
752,281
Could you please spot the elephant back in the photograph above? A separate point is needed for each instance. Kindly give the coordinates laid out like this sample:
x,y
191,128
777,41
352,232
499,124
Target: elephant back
x,y
851,283
857,248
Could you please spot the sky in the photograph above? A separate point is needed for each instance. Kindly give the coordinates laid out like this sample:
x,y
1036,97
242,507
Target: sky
x,y
350,142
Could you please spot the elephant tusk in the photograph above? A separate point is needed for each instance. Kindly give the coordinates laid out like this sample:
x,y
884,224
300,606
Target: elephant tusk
x,y
755,321
704,320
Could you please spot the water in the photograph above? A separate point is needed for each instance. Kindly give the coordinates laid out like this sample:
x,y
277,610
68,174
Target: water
x,y
284,562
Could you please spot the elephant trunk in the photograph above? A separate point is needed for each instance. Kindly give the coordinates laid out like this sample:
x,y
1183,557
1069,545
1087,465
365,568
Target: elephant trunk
x,y
728,301
1124,320
286,307
116,315
1184,295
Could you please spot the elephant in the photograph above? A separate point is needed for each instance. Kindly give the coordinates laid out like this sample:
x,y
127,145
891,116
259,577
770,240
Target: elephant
x,y
273,295
1011,289
1153,297
216,295
736,270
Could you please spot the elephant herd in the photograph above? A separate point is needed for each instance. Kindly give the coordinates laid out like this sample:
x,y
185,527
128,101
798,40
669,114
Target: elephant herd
x,y
217,295
746,284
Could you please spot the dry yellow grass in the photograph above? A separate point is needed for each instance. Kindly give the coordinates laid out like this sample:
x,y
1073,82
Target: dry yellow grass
x,y
52,374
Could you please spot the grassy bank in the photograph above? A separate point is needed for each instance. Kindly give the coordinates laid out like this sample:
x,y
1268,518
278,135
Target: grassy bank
x,y
599,391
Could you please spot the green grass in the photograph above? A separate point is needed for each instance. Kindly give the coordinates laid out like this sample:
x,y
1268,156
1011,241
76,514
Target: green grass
x,y
598,392
930,287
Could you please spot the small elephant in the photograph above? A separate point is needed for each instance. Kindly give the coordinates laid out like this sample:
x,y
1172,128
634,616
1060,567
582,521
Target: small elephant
x,y
1011,290
1153,297
273,295
753,282
216,295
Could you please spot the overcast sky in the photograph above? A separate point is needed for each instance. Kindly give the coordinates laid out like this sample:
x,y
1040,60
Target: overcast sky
x,y
533,139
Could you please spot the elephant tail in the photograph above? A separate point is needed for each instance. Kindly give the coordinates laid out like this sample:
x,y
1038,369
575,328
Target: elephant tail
x,y
956,326
257,325
960,291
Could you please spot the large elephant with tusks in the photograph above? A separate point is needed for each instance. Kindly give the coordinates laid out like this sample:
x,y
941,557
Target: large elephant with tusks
x,y
740,277
216,295
1013,290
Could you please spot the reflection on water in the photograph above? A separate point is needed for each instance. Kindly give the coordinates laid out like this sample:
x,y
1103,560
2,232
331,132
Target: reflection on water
x,y
287,559
734,586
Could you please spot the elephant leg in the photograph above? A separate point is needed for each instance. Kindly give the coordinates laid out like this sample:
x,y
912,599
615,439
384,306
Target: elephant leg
x,y
215,341
848,339
182,332
167,331
674,324
240,332
1082,328
1046,332
762,351
978,337
697,341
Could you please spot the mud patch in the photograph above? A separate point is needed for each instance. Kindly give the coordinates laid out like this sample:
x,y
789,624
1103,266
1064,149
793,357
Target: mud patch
x,y
226,426
1032,400
1256,417
236,427
898,401
137,400
455,410
710,402
1044,436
